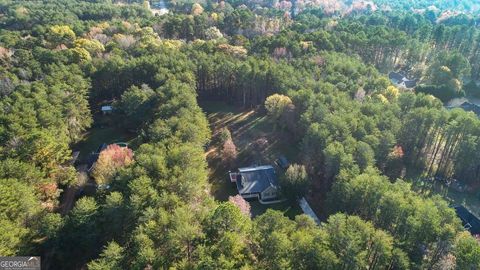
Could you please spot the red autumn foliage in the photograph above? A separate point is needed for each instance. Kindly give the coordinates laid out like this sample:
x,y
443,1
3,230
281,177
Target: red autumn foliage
x,y
241,203
397,152
110,161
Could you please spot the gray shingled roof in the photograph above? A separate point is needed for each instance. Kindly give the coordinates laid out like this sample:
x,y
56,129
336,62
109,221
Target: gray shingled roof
x,y
470,107
399,78
410,83
256,179
395,76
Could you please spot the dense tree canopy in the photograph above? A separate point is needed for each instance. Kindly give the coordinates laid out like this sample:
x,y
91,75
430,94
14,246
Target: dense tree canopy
x,y
317,70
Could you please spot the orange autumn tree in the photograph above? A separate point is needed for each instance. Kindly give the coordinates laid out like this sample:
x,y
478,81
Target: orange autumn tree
x,y
110,161
394,165
241,203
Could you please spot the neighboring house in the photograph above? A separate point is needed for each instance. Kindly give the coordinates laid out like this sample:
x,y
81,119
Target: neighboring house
x,y
467,106
469,221
94,155
470,107
107,109
402,81
257,182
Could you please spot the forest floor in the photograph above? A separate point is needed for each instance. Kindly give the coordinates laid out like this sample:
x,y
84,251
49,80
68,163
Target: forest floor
x,y
257,143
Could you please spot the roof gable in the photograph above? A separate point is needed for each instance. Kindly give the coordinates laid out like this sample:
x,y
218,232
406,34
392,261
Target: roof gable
x,y
410,83
400,79
395,76
470,107
256,179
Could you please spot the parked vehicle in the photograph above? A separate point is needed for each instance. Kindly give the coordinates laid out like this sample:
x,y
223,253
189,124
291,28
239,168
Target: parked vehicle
x,y
282,162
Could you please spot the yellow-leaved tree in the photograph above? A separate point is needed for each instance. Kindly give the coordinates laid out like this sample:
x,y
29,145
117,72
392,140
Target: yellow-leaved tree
x,y
276,105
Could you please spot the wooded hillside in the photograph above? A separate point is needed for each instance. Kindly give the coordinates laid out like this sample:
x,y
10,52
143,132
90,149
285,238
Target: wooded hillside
x,y
363,142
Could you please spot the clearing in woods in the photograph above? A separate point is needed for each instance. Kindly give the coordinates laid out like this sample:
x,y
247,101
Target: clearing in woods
x,y
257,142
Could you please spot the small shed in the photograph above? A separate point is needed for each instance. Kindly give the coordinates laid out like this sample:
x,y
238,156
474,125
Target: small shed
x,y
282,162
107,109
470,107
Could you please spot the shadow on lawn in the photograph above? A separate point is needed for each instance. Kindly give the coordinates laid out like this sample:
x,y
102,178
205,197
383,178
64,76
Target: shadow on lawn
x,y
257,143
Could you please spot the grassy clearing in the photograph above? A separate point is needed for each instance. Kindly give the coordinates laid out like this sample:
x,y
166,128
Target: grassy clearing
x,y
249,128
257,142
103,131
469,200
289,209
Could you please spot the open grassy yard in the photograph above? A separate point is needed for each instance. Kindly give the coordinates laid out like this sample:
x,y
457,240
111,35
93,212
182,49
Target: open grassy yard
x,y
256,138
470,200
289,209
102,131
257,142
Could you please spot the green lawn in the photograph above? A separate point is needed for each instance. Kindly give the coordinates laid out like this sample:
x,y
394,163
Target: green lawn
x,y
470,200
288,208
101,132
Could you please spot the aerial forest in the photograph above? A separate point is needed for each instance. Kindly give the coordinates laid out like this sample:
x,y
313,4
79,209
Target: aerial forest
x,y
317,70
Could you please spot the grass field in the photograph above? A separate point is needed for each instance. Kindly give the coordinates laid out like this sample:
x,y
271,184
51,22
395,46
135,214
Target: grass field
x,y
289,209
102,131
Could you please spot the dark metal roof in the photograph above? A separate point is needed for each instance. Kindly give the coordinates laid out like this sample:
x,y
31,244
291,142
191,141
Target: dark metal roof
x,y
410,83
469,221
395,76
470,107
282,162
94,156
399,78
256,179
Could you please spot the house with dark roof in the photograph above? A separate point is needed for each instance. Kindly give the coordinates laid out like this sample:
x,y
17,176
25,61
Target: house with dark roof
x,y
395,77
469,221
470,107
92,159
401,80
258,182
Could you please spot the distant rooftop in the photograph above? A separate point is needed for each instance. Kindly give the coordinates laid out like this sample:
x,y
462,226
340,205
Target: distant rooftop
x,y
106,108
465,105
469,221
401,80
470,107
